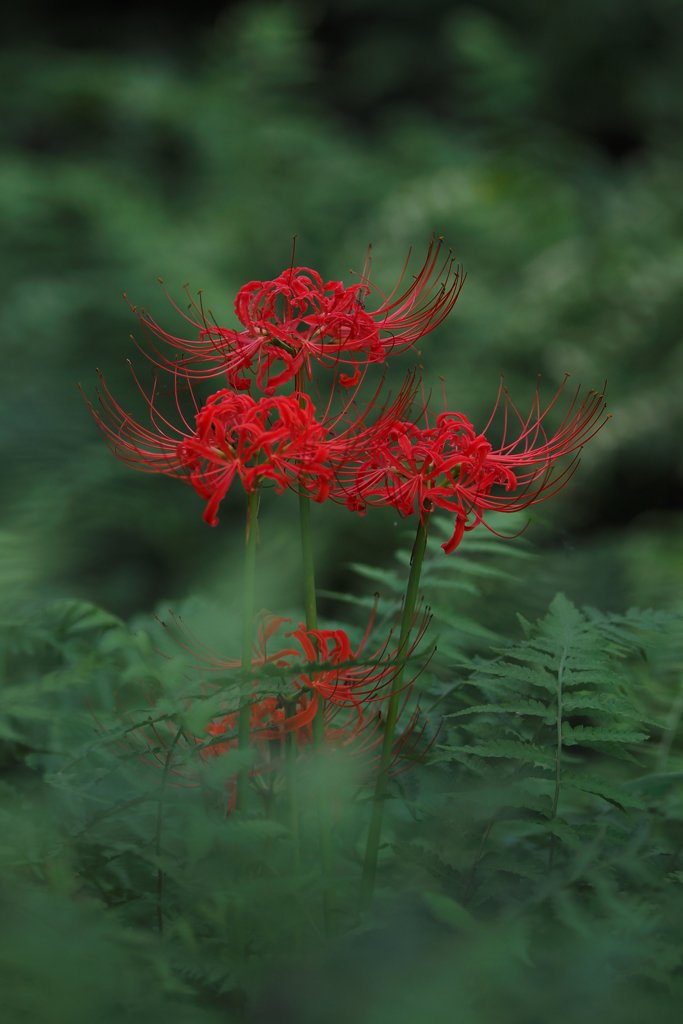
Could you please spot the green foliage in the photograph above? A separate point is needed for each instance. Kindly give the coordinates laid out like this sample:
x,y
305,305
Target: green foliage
x,y
553,700
527,874
479,868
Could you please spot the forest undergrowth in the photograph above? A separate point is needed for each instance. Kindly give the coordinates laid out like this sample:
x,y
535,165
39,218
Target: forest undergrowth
x,y
529,868
434,788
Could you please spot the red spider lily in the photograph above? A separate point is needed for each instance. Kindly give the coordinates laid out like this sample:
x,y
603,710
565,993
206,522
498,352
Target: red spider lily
x,y
276,438
296,318
347,685
269,726
405,317
459,470
323,664
159,745
152,739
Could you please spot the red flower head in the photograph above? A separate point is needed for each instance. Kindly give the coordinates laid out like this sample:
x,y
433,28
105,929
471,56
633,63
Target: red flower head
x,y
273,717
276,438
323,664
296,317
269,726
457,469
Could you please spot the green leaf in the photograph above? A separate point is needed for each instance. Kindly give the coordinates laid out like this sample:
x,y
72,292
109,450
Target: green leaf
x,y
384,606
657,786
464,625
449,912
588,734
616,795
606,703
495,547
432,584
517,707
508,670
564,831
76,617
515,749
470,568
384,576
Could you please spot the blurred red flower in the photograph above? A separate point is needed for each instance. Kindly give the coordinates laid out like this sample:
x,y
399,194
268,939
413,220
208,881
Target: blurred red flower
x,y
347,723
323,662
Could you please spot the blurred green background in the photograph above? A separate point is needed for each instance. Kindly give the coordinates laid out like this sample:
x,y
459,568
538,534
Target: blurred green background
x,y
544,141
139,141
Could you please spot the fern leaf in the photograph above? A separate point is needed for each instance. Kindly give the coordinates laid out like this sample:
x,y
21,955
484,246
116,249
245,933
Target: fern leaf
x,y
516,749
515,707
589,734
463,624
384,576
437,584
564,831
519,673
591,784
469,568
605,703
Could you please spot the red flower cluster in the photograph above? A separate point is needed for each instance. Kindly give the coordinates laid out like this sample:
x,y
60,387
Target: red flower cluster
x,y
377,456
297,318
323,662
458,469
275,438
349,682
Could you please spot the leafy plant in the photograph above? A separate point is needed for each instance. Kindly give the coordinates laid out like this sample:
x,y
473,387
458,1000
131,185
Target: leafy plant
x,y
554,701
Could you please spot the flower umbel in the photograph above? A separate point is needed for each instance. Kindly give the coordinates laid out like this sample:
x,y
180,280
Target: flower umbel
x,y
297,318
276,439
459,469
323,662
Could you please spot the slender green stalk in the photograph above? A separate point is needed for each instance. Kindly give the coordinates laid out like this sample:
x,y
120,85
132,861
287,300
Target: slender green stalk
x,y
307,559
247,636
409,604
290,772
672,722
558,754
160,819
324,815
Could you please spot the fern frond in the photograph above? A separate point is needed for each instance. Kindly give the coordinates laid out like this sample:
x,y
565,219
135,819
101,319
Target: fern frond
x,y
587,735
515,749
515,707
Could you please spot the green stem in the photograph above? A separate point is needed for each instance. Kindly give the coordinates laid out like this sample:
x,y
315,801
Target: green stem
x,y
290,772
247,637
409,604
324,815
307,558
670,730
160,819
558,753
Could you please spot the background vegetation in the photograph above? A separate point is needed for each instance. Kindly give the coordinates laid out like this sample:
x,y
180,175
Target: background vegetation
x,y
545,142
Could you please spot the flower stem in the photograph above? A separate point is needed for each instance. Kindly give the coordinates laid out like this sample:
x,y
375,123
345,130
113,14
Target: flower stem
x,y
324,817
558,752
160,820
290,772
409,603
247,636
307,558
670,730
